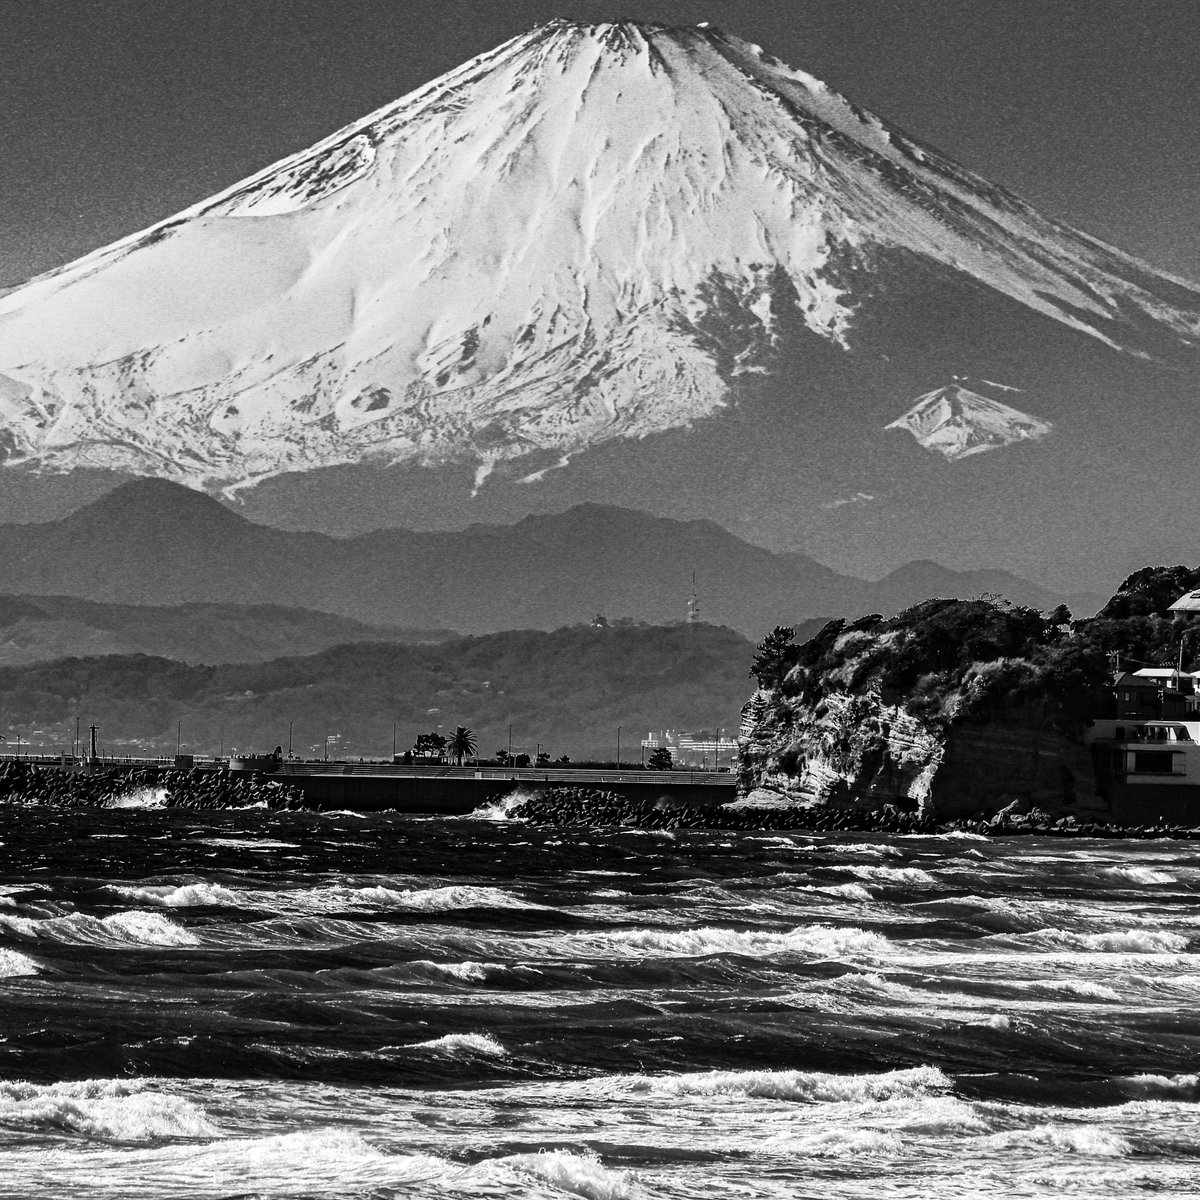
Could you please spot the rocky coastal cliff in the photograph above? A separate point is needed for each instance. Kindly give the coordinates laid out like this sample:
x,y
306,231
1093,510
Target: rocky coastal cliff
x,y
950,708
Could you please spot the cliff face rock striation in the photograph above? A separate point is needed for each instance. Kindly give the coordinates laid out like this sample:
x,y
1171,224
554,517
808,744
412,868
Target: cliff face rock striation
x,y
951,707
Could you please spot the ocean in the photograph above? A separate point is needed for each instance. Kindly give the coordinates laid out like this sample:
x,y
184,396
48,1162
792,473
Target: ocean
x,y
290,1004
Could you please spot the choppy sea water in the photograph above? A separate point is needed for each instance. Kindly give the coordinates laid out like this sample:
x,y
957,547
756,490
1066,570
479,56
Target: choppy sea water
x,y
297,1004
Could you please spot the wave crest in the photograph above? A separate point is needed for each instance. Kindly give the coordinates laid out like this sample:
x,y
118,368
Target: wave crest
x,y
461,1043
826,941
811,1086
109,1109
185,895
578,1174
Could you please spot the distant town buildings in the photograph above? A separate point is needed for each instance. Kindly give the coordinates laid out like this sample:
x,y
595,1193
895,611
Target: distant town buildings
x,y
693,748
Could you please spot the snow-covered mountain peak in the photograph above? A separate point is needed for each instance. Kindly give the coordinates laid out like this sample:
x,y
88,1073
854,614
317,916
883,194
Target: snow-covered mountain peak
x,y
958,422
586,233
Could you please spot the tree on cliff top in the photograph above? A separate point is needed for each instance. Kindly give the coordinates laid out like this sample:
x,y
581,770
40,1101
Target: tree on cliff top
x,y
774,657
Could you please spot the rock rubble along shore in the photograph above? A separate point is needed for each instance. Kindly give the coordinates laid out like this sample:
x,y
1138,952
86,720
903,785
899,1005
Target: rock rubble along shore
x,y
593,807
32,783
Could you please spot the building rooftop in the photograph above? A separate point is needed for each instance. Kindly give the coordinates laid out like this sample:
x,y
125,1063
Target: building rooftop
x,y
1188,602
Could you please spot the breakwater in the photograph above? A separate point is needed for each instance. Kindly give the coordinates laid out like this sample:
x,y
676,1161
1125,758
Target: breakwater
x,y
586,806
32,783
37,784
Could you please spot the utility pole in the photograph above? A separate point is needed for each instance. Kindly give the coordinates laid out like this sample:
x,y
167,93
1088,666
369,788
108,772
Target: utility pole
x,y
75,749
327,747
289,739
618,747
510,745
393,741
179,738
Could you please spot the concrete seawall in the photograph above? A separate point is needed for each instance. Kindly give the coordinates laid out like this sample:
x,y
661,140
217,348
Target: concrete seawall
x,y
458,796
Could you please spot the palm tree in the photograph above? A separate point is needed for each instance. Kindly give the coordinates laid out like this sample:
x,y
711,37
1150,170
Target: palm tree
x,y
462,743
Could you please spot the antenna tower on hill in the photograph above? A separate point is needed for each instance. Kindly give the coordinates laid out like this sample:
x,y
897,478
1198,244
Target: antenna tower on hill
x,y
693,607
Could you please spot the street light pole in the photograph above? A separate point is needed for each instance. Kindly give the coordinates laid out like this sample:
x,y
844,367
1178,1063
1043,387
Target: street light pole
x,y
510,745
76,753
618,747
393,741
179,738
289,739
327,747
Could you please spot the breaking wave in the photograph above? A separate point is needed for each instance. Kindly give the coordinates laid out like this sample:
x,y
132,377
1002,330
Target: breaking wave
x,y
1142,876
826,941
124,928
184,895
810,1086
1081,1139
576,1174
114,1110
13,963
144,797
461,1043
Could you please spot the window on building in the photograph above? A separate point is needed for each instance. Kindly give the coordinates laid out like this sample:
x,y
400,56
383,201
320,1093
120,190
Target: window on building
x,y
1151,763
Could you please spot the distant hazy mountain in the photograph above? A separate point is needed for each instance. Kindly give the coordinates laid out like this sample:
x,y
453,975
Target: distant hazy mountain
x,y
157,543
568,690
39,628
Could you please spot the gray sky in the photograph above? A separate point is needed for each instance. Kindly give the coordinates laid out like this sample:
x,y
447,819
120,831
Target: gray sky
x,y
116,113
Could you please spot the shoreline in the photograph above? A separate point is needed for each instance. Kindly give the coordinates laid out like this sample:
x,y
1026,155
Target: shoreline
x,y
33,785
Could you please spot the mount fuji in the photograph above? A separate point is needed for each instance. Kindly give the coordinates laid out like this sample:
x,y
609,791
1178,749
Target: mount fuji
x,y
596,236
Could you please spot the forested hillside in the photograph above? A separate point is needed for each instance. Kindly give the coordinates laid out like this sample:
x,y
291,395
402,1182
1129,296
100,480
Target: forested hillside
x,y
568,690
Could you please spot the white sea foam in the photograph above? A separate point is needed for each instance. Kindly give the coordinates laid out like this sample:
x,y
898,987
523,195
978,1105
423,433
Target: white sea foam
x,y
133,927
462,1043
576,1174
954,835
934,1115
1083,988
1119,941
1162,1087
184,895
111,1109
500,809
811,1086
870,849
912,875
847,891
379,896
1072,1139
466,972
445,897
143,797
1143,876
1135,941
150,928
824,941
12,963
842,1143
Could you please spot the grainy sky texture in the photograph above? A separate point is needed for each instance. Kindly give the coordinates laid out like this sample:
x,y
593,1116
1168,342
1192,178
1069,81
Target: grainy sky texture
x,y
116,113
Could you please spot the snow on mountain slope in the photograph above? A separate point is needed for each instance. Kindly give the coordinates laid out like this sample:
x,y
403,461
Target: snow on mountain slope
x,y
524,255
957,422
